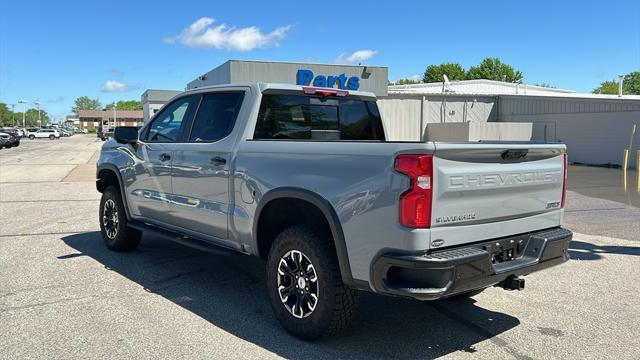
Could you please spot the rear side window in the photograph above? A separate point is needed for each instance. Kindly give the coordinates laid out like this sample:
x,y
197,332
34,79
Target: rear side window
x,y
316,118
216,116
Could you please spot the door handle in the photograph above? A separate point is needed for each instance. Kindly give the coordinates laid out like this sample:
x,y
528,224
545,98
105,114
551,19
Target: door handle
x,y
164,157
218,160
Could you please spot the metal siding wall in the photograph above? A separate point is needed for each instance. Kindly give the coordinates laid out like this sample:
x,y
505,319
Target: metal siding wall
x,y
241,71
401,113
596,131
235,71
482,110
523,105
401,118
218,76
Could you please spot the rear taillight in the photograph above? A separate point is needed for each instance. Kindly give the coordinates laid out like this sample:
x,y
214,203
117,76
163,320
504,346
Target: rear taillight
x,y
564,179
415,203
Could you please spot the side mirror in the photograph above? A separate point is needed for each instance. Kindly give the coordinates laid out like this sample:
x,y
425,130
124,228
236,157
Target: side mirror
x,y
126,134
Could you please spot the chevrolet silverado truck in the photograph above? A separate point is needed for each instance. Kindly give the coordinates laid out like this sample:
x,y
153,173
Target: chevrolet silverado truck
x,y
306,179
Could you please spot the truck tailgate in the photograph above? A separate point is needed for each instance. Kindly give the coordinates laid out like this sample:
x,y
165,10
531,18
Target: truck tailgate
x,y
481,190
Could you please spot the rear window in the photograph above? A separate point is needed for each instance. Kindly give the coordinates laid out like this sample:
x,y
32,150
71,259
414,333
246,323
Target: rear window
x,y
302,117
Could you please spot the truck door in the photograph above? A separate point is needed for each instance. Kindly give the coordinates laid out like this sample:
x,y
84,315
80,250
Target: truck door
x,y
201,167
149,193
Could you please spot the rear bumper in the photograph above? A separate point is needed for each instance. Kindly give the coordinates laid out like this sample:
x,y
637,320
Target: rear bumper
x,y
438,274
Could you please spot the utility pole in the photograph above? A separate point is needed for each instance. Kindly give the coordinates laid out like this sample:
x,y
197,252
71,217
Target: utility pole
x,y
13,114
37,104
24,112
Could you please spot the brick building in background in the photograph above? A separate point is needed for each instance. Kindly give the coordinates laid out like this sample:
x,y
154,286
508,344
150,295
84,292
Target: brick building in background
x,y
92,119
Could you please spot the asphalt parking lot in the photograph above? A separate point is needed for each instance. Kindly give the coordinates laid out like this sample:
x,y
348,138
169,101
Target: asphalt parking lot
x,y
63,295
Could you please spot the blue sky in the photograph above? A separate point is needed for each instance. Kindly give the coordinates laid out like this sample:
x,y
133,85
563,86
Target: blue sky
x,y
113,50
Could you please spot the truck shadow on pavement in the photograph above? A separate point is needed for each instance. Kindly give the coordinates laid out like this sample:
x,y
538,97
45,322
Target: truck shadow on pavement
x,y
229,292
580,250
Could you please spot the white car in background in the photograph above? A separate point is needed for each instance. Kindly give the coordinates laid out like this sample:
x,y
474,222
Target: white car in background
x,y
52,134
29,131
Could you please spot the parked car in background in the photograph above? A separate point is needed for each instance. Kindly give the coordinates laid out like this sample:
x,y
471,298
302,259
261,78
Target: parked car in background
x,y
21,132
52,134
5,140
10,130
30,131
105,135
65,132
12,140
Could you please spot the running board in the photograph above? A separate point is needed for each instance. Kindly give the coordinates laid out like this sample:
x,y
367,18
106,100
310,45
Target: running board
x,y
182,239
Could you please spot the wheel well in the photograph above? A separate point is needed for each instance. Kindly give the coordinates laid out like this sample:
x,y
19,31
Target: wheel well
x,y
282,213
106,178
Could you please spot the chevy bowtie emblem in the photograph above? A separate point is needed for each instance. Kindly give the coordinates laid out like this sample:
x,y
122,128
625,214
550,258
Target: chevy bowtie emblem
x,y
512,155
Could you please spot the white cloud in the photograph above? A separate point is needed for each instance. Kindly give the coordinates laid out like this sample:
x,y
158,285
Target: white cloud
x,y
116,86
356,57
202,34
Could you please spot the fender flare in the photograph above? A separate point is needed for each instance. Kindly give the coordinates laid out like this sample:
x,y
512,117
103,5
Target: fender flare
x,y
116,171
330,215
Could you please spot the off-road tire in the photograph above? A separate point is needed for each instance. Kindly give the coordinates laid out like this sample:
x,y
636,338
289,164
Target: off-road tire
x,y
336,303
125,238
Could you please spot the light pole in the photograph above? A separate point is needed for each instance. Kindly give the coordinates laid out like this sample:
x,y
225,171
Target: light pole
x,y
24,113
114,114
37,104
620,81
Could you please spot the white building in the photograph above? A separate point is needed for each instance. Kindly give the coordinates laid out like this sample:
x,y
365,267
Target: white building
x,y
596,128
153,100
482,86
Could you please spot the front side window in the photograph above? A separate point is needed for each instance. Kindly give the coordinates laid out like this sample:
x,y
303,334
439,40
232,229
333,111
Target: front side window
x,y
167,126
216,116
317,118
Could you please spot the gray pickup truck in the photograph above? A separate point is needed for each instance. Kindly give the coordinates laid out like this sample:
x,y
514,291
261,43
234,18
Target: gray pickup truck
x,y
304,178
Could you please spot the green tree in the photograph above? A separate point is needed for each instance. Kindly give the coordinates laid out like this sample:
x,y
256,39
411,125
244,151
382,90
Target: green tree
x,y
608,87
31,117
632,83
5,115
454,71
494,69
407,82
85,103
18,118
125,105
